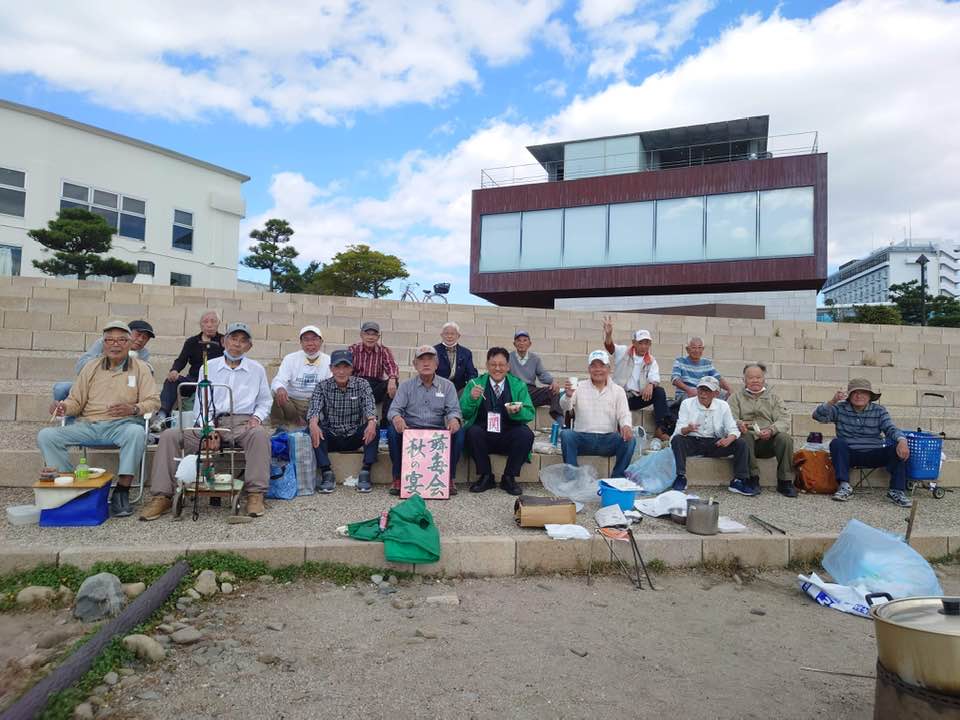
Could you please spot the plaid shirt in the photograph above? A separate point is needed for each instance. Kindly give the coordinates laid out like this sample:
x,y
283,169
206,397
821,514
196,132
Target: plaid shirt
x,y
377,363
342,412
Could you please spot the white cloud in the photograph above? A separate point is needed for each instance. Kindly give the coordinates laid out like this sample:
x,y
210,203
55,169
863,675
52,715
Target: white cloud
x,y
876,79
553,87
290,61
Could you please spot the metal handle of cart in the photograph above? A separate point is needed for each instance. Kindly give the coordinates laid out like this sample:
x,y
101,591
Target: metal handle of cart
x,y
923,465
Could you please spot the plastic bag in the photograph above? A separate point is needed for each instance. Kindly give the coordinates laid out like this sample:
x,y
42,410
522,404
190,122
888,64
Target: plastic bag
x,y
279,449
654,472
285,486
303,460
579,484
878,561
641,435
839,597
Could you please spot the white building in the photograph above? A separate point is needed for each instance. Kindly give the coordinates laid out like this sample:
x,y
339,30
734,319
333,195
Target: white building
x,y
868,280
177,218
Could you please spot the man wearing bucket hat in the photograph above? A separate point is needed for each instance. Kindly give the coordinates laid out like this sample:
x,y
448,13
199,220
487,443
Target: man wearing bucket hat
x,y
343,416
637,372
866,437
602,425
706,427
299,373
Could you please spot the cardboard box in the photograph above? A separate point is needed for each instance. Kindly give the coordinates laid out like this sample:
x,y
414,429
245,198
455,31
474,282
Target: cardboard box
x,y
539,511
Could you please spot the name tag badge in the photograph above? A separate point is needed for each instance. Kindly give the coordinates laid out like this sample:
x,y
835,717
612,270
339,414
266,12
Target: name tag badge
x,y
493,422
354,398
439,394
131,381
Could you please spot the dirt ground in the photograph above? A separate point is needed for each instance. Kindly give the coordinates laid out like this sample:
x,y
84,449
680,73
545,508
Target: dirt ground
x,y
700,646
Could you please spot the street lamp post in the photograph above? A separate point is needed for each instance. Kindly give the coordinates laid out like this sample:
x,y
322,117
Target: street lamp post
x,y
922,262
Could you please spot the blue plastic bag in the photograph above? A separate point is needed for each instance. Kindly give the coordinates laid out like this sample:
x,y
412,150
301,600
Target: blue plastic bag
x,y
655,472
878,561
279,447
283,487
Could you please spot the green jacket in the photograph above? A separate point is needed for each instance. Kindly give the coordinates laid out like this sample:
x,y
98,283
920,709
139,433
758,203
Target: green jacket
x,y
765,409
518,391
411,535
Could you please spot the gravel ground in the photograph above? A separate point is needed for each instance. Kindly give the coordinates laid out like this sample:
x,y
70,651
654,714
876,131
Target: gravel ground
x,y
491,513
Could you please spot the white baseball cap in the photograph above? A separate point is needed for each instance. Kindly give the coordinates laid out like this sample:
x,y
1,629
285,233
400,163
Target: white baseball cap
x,y
709,382
310,328
601,355
642,335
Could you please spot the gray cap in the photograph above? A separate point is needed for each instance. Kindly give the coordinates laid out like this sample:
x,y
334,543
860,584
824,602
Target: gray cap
x,y
117,325
338,357
424,350
709,382
239,327
370,325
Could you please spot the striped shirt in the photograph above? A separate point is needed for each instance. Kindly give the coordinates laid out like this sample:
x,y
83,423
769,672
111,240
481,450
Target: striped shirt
x,y
376,363
692,372
342,411
861,430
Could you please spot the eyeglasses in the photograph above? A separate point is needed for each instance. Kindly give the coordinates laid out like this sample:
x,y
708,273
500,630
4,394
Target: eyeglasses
x,y
116,340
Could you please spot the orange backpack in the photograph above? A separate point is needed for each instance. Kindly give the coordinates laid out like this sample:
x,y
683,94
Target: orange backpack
x,y
814,472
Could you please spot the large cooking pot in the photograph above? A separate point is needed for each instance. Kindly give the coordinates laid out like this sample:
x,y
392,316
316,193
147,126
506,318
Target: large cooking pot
x,y
918,638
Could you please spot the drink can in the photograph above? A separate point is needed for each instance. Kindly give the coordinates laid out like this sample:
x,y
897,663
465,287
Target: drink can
x,y
555,432
383,436
383,520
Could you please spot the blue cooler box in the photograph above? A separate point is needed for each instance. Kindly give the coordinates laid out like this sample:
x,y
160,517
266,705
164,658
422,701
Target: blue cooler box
x,y
91,508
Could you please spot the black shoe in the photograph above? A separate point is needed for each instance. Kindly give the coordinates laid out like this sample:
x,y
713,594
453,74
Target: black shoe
x,y
395,487
328,482
453,487
787,489
120,502
510,485
482,484
680,483
755,483
216,501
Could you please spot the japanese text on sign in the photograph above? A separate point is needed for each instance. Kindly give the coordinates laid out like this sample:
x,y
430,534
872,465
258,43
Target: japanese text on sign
x,y
425,469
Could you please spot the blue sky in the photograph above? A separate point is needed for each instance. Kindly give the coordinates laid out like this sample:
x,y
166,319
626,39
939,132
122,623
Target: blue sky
x,y
370,122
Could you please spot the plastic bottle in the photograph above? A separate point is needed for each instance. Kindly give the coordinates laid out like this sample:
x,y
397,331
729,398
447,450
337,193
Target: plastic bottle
x,y
82,470
555,433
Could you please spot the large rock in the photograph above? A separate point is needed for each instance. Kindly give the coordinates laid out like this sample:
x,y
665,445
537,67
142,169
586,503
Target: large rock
x,y
206,583
35,595
145,648
132,590
99,596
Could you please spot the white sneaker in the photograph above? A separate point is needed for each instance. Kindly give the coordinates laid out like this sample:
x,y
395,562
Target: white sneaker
x,y
843,493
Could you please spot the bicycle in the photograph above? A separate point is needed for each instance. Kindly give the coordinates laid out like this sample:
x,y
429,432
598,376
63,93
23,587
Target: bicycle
x,y
438,294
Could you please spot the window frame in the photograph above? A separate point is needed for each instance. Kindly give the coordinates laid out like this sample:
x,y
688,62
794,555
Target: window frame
x,y
118,210
192,227
14,188
183,275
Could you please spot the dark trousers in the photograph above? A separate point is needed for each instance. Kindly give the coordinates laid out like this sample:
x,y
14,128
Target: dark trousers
x,y
844,458
334,443
395,444
685,446
543,396
658,400
379,388
515,441
168,395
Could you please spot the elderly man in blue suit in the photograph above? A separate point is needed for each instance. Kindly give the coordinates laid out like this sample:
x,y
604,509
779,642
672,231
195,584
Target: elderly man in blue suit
x,y
454,361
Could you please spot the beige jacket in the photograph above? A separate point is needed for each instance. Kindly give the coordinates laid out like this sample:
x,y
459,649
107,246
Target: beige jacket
x,y
765,409
97,387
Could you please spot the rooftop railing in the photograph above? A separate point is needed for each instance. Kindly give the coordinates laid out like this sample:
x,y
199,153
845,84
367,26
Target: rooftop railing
x,y
803,143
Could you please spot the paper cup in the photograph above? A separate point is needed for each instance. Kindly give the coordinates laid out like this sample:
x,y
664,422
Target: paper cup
x,y
572,381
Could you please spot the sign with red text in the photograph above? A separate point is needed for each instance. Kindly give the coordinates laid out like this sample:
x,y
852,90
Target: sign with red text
x,y
425,469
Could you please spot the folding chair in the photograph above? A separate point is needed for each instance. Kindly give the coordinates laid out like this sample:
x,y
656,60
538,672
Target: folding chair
x,y
143,459
865,474
614,535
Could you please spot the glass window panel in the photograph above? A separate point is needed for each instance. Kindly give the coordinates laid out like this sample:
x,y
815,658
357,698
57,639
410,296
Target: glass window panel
x,y
540,235
104,198
732,225
182,238
680,229
582,159
631,233
132,226
584,236
109,215
499,242
75,192
64,204
12,202
180,279
14,178
10,260
146,267
786,222
184,218
622,155
134,206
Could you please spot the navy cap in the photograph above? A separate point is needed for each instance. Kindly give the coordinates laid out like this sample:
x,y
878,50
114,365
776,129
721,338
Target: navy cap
x,y
521,333
142,326
338,357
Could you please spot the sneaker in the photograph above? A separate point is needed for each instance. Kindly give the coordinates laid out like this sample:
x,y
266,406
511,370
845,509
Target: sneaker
x,y
786,489
680,483
328,482
510,485
255,507
755,484
843,493
899,497
743,487
120,502
364,483
395,486
158,505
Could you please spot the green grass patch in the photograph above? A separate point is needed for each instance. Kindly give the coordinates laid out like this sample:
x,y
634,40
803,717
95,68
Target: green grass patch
x,y
219,562
948,559
657,566
805,565
60,706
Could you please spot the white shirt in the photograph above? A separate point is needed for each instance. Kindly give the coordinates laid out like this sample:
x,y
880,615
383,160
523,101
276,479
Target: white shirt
x,y
630,372
715,421
598,411
298,376
248,381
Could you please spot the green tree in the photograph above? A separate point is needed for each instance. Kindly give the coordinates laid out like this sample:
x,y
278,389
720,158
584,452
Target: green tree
x,y
939,308
876,315
77,237
356,271
272,253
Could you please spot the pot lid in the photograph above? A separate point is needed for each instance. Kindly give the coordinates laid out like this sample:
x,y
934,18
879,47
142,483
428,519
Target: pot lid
x,y
939,615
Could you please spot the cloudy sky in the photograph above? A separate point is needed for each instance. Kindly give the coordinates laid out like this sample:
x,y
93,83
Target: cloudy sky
x,y
371,121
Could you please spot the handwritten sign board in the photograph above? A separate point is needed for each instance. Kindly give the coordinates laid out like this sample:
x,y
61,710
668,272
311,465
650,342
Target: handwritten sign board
x,y
425,469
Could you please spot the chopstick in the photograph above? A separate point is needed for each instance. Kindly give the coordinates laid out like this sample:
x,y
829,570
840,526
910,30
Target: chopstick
x,y
53,415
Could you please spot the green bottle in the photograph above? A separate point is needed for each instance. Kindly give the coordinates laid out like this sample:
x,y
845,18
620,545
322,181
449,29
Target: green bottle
x,y
81,471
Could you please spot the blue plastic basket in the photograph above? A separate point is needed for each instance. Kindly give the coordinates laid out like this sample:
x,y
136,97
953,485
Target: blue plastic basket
x,y
924,460
611,496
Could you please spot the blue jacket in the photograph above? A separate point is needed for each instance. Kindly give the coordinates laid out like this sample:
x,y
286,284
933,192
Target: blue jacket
x,y
465,369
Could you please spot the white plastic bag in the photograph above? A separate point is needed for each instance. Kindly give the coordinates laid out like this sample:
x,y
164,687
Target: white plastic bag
x,y
187,470
879,562
654,472
839,597
567,532
579,484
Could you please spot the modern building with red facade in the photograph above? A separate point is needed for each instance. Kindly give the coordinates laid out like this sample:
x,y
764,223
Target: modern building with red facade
x,y
720,213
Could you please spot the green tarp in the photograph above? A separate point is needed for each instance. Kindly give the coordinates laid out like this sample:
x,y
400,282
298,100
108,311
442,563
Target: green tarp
x,y
411,535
